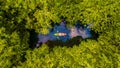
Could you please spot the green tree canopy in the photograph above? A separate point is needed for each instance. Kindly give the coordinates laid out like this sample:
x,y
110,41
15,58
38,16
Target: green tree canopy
x,y
19,16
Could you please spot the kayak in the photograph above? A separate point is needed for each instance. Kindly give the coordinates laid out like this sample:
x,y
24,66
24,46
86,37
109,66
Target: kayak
x,y
60,34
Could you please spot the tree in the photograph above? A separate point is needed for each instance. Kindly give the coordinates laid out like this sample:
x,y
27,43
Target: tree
x,y
88,54
17,17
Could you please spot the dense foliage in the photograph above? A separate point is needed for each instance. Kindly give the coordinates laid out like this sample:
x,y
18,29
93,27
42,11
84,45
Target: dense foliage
x,y
19,17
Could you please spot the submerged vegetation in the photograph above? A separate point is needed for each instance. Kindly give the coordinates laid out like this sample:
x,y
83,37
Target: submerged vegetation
x,y
22,20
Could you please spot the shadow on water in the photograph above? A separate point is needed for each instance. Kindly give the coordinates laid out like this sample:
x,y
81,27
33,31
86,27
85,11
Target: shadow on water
x,y
32,38
68,43
95,35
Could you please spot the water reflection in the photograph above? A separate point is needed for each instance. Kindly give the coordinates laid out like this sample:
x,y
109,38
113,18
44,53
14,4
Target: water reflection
x,y
63,33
